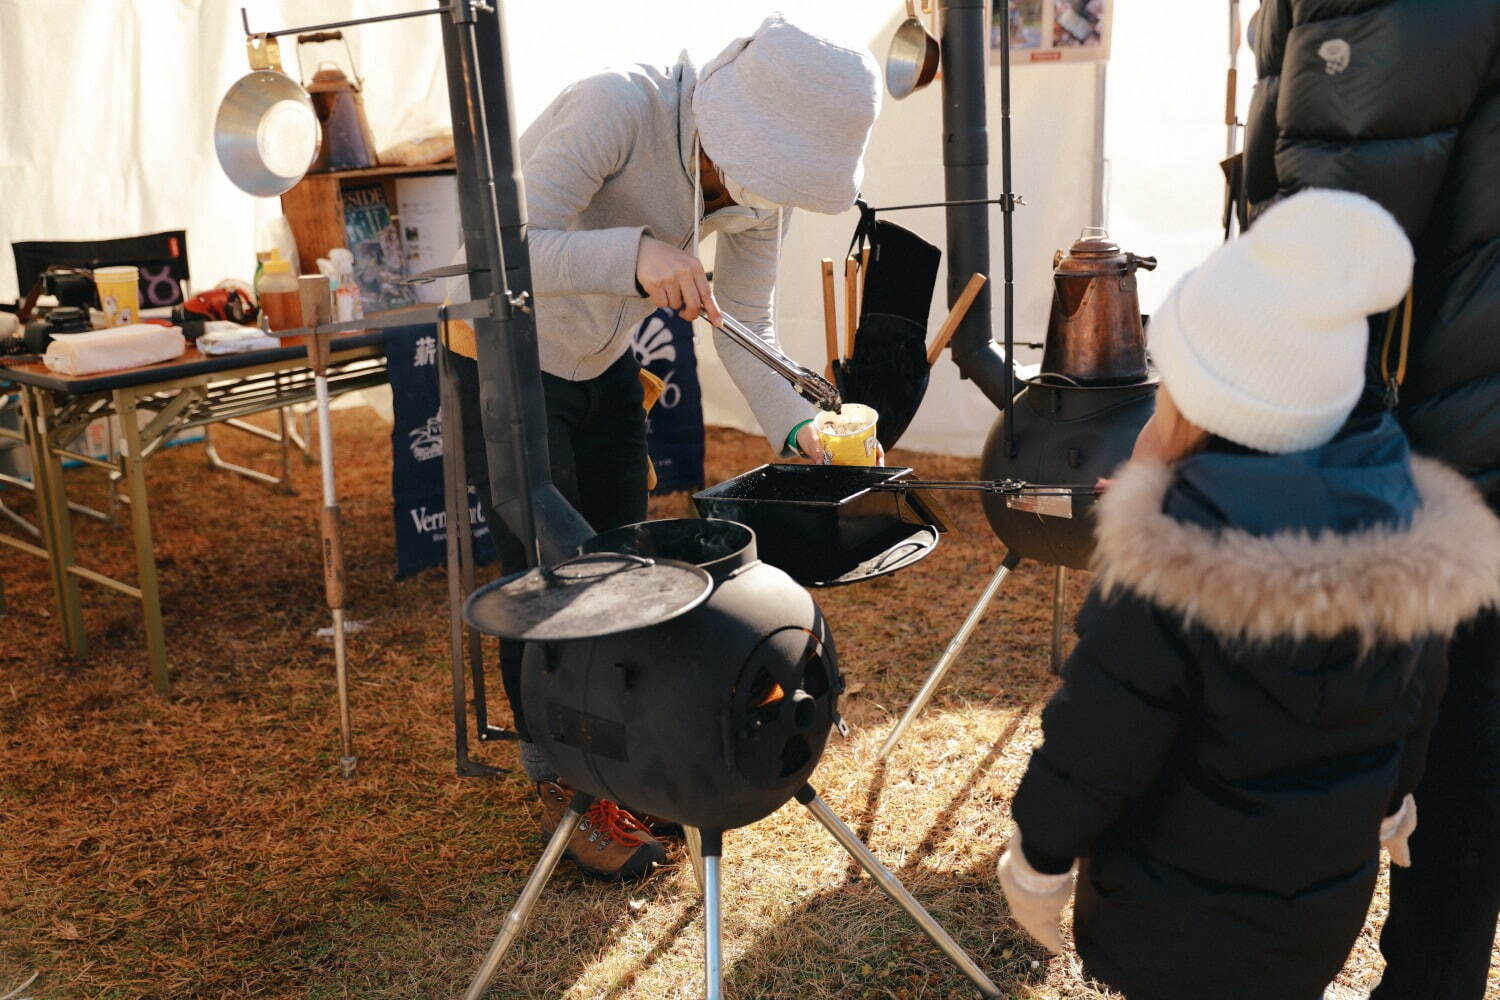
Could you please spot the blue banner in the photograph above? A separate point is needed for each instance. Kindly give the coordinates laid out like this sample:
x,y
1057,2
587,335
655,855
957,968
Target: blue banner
x,y
419,507
663,345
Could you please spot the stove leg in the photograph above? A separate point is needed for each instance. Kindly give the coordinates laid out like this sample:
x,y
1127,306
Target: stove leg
x,y
694,839
950,656
516,919
1059,593
898,892
713,915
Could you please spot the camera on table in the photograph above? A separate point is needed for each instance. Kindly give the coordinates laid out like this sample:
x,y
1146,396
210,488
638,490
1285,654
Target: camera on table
x,y
74,290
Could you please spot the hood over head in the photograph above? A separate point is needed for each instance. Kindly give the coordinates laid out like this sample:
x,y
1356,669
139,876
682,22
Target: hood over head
x,y
1357,539
787,115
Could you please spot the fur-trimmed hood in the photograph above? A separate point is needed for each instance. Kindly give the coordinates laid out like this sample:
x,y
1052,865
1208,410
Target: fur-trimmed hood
x,y
1385,584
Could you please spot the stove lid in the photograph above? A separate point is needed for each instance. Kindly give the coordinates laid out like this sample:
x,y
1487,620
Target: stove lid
x,y
586,597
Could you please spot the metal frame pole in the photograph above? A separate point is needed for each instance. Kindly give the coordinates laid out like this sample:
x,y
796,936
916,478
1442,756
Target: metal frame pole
x,y
464,646
133,462
1008,211
950,656
53,516
1101,159
867,860
1231,114
333,552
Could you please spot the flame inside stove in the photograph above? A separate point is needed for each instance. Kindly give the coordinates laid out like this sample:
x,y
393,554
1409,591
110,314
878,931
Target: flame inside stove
x,y
771,697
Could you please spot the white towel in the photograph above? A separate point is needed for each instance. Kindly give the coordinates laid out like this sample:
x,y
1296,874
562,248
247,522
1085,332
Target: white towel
x,y
220,337
113,349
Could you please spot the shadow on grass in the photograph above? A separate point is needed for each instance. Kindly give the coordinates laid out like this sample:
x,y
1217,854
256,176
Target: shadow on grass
x,y
688,918
855,940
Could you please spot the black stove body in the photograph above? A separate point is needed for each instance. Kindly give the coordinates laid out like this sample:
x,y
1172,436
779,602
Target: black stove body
x,y
713,719
1067,434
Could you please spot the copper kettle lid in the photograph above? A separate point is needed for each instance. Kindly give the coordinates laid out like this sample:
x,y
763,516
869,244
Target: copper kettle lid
x,y
329,78
1095,253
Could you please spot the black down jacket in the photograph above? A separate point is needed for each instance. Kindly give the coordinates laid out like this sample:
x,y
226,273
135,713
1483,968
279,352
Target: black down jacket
x,y
1256,670
1400,100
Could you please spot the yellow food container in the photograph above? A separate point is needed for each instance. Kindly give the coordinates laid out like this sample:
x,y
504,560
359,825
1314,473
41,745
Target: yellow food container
x,y
848,437
119,294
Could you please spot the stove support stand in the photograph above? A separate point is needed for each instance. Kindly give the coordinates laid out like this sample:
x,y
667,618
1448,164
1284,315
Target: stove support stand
x,y
898,892
520,913
707,849
950,656
711,850
1059,601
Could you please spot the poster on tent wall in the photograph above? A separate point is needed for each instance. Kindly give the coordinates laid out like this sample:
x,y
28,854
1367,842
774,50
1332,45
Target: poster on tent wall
x,y
1050,31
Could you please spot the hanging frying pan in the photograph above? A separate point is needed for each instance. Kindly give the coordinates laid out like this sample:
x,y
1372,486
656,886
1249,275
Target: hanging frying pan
x,y
266,134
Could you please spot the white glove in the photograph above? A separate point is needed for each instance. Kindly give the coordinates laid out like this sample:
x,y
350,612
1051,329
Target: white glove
x,y
1396,828
1036,900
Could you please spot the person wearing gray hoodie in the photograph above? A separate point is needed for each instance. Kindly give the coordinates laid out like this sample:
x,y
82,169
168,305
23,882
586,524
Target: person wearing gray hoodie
x,y
626,171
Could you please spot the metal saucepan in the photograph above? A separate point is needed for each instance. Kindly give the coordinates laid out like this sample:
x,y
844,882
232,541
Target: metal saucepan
x,y
266,133
912,61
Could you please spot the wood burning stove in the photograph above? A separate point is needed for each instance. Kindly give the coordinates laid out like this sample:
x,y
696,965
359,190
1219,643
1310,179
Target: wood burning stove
x,y
713,719
1077,420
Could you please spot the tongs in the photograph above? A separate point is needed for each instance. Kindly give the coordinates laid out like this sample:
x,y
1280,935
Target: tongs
x,y
998,487
809,384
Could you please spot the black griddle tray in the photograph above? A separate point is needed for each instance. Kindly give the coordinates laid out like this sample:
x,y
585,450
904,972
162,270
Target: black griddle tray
x,y
822,523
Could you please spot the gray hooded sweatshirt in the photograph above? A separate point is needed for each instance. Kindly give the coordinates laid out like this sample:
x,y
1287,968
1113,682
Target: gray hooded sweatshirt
x,y
614,158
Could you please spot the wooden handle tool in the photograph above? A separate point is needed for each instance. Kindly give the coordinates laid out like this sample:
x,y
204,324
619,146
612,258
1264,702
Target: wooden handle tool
x,y
851,304
955,316
864,276
830,318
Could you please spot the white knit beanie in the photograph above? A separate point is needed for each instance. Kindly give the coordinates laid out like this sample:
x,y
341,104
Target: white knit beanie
x,y
787,114
1264,343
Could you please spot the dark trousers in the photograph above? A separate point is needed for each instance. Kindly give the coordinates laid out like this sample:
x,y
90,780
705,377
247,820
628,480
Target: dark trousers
x,y
1438,941
596,441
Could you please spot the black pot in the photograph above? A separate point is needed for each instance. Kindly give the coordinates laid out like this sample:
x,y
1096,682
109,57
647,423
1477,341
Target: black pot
x,y
713,719
1067,435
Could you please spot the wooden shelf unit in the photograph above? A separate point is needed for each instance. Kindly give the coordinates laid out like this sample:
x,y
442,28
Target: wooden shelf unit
x,y
315,207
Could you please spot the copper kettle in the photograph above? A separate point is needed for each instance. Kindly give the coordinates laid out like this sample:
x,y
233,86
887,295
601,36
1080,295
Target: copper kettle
x,y
348,143
1095,335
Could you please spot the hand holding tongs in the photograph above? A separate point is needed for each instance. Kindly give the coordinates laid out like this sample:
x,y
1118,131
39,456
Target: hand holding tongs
x,y
809,384
999,487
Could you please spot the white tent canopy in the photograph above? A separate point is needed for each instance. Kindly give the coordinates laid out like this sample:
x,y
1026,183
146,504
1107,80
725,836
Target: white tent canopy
x,y
110,106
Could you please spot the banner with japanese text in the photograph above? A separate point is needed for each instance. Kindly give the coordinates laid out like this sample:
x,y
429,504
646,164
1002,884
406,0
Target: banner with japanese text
x,y
418,504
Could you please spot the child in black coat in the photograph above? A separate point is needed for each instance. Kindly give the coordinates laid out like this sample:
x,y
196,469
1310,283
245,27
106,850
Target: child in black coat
x,y
1245,714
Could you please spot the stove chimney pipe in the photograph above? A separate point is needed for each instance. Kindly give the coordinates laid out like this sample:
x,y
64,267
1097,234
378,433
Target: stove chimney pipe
x,y
966,158
493,212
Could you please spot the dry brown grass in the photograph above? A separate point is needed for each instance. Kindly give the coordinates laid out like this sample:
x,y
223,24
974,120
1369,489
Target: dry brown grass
x,y
202,845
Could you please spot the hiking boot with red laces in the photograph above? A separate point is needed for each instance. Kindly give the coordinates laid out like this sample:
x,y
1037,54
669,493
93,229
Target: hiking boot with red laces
x,y
609,844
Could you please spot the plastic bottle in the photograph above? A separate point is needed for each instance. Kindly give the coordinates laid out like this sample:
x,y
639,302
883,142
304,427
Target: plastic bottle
x,y
261,256
347,305
279,300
